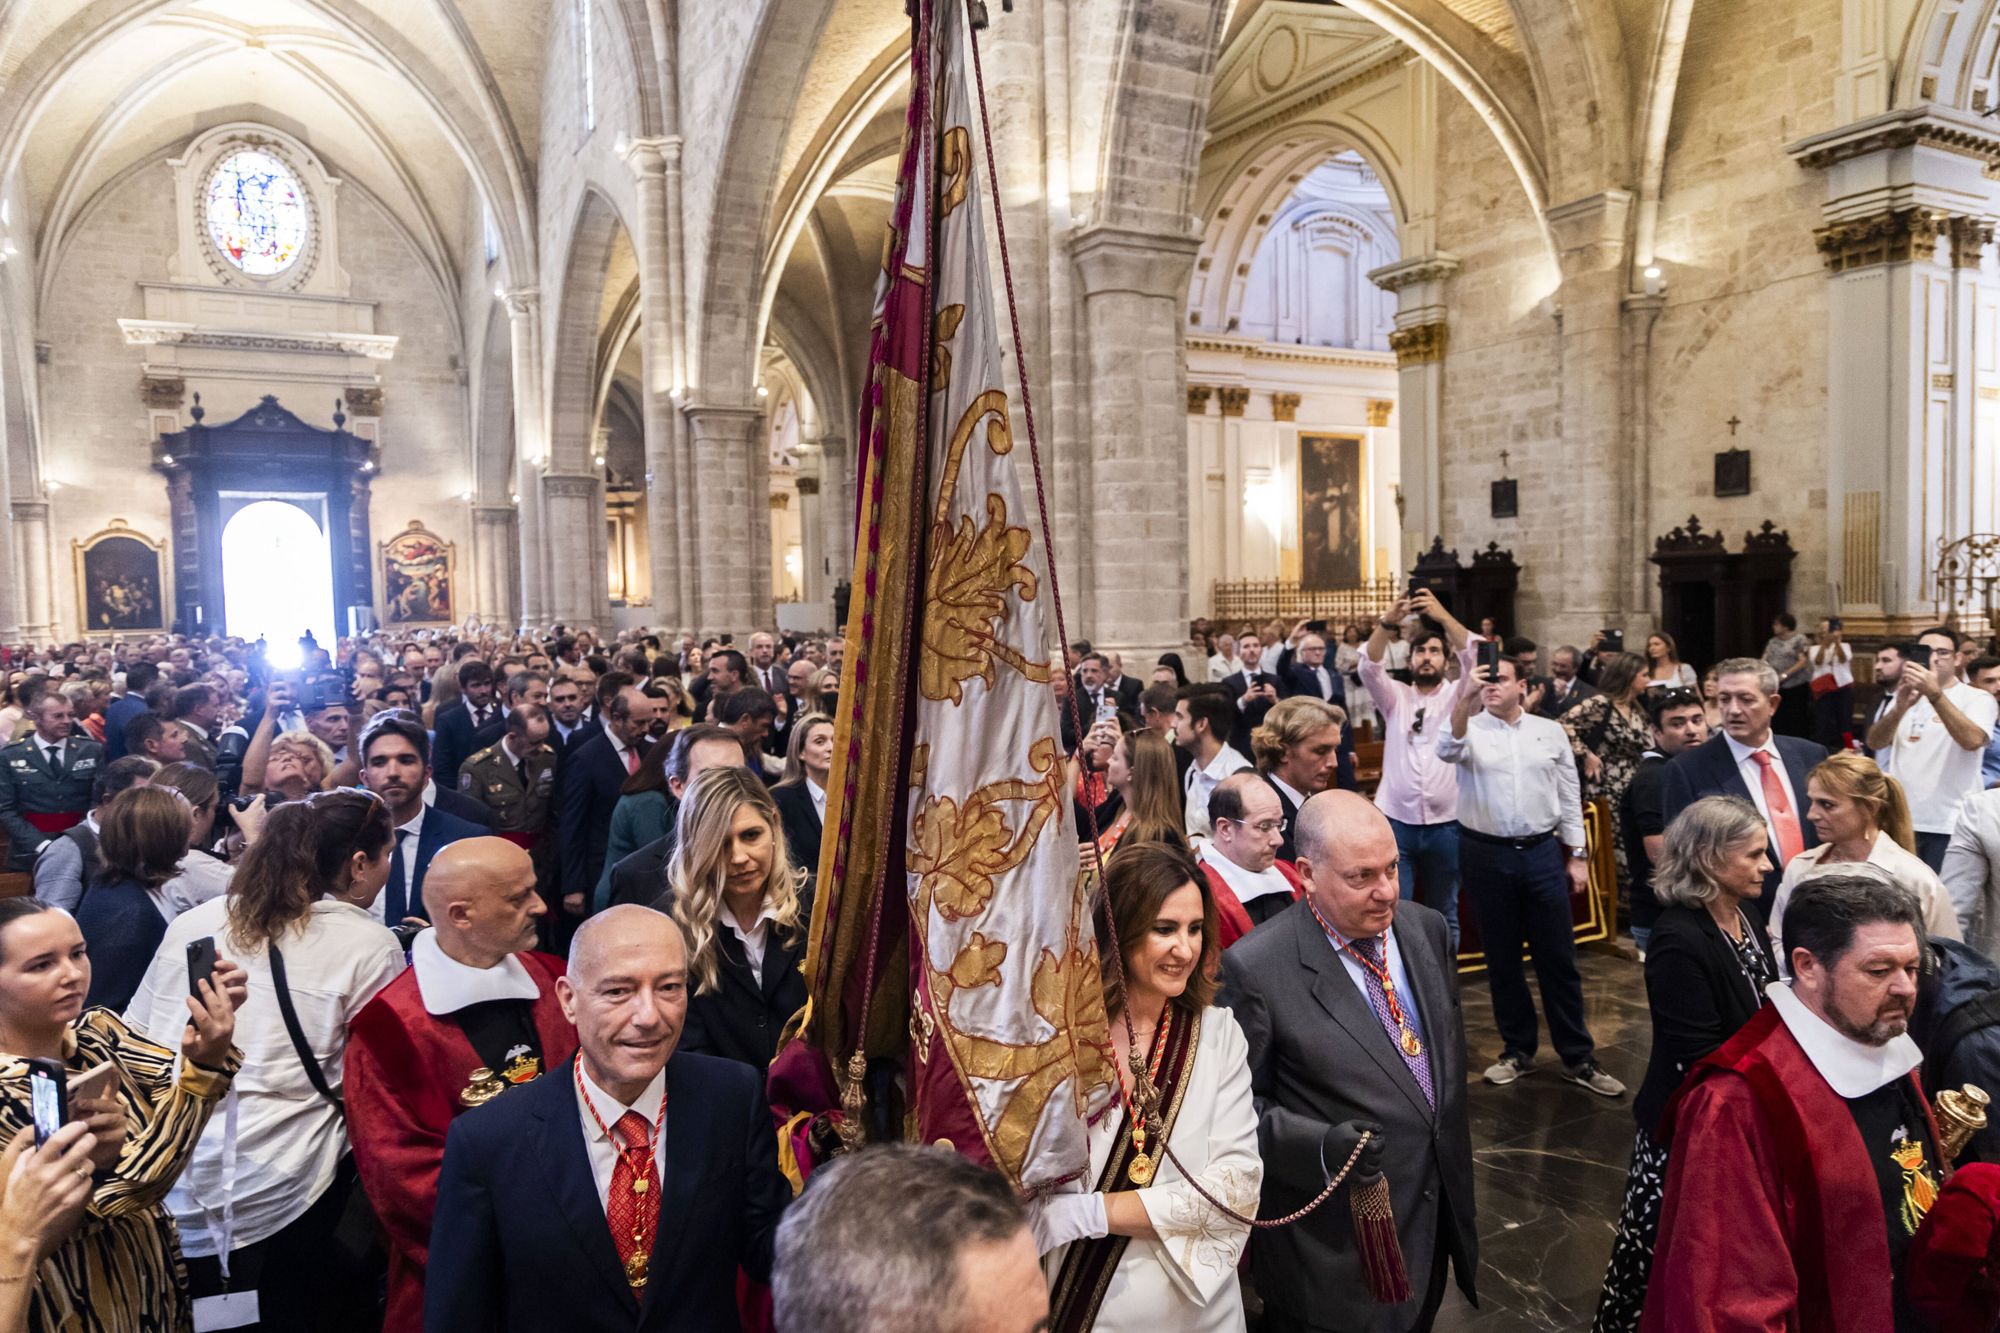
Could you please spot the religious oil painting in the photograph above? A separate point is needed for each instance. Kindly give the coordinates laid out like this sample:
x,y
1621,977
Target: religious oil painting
x,y
417,568
1329,512
119,580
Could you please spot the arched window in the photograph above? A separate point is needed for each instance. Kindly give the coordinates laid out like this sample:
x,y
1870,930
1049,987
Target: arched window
x,y
256,212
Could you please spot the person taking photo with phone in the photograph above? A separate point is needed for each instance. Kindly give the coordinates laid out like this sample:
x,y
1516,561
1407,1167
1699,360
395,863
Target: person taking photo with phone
x,y
119,1269
260,1210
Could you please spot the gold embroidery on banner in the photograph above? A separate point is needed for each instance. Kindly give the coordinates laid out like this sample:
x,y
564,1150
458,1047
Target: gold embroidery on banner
x,y
948,320
956,852
971,572
955,166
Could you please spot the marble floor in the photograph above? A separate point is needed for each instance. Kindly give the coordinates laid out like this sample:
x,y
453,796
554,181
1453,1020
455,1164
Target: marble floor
x,y
1549,1162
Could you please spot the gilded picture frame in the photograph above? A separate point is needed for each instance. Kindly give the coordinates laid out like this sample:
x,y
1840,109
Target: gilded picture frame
x,y
419,578
121,582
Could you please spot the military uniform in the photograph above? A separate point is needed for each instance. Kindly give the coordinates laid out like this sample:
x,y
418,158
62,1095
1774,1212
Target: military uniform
x,y
199,747
522,798
40,801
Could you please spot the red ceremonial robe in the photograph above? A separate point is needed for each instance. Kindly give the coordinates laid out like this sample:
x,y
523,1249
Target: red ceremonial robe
x,y
1772,1219
1232,920
405,1070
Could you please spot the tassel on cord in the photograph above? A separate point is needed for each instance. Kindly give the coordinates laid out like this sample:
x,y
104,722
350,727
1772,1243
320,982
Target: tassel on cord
x,y
852,1132
1375,1241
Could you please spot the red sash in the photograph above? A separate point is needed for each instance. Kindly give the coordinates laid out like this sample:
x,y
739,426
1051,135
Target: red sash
x,y
1088,1264
53,822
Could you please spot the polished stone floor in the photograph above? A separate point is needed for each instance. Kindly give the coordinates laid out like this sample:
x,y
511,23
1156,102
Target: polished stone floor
x,y
1549,1162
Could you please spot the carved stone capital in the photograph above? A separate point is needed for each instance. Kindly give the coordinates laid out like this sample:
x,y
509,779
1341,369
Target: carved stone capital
x,y
1420,344
1198,396
1894,236
1234,399
522,302
365,401
162,390
1411,272
1379,410
560,485
807,485
1285,407
781,499
1969,239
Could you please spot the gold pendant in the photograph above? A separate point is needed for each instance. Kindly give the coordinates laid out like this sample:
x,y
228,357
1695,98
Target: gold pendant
x,y
1140,1171
1411,1046
483,1088
635,1268
638,1186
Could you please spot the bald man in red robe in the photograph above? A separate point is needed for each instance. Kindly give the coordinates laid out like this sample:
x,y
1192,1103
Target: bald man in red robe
x,y
1804,1154
475,1015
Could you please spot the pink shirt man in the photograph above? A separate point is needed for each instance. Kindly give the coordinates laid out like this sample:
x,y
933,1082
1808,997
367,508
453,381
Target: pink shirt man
x,y
1417,787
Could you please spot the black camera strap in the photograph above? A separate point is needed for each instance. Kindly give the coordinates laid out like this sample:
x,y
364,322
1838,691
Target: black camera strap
x,y
314,1074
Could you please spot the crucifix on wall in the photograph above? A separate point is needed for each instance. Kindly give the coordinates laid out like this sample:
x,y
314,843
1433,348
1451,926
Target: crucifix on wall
x,y
1732,465
1506,497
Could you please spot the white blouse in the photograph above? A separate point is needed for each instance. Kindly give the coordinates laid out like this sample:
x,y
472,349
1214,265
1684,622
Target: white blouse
x,y
1186,1279
1908,870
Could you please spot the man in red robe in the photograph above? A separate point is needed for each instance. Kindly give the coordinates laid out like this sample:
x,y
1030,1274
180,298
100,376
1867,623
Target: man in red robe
x,y
1240,859
1804,1155
475,1015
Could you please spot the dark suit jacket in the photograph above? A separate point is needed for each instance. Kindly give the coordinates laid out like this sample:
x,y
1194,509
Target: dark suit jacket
x,y
520,1242
642,877
1710,769
453,743
1249,718
1579,690
1294,678
441,829
1319,1057
1128,691
741,1018
460,806
123,930
589,782
802,825
1699,996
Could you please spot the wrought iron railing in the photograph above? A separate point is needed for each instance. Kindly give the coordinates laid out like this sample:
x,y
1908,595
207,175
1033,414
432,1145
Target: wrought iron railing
x,y
1966,584
1259,600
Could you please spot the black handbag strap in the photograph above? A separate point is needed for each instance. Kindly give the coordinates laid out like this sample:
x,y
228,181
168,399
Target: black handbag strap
x,y
314,1073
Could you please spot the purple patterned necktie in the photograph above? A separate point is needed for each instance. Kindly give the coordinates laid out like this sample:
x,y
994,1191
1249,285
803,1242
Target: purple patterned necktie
x,y
1378,999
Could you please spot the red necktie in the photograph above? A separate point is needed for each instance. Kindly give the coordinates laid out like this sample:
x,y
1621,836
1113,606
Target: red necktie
x,y
633,1205
1784,819
631,760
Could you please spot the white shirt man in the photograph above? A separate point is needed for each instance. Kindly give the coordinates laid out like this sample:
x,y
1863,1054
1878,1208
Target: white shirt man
x,y
1936,733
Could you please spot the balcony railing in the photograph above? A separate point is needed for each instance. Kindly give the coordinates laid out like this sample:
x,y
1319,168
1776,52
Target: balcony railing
x,y
1260,600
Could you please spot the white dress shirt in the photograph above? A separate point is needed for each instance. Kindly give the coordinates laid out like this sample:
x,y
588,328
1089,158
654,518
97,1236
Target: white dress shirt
x,y
1906,868
818,793
1516,779
1753,777
597,1144
1245,884
1202,780
288,1139
755,939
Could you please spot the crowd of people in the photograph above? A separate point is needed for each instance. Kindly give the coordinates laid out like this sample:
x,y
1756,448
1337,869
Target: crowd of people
x,y
431,984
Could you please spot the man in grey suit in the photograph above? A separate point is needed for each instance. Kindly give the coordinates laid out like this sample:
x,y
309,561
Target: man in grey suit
x,y
1350,1003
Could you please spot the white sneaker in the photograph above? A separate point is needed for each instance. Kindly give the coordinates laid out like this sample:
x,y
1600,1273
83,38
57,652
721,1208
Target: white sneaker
x,y
1506,1069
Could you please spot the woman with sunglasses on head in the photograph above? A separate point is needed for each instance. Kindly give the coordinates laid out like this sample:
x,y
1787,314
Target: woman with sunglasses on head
x,y
267,1193
120,1269
1143,1250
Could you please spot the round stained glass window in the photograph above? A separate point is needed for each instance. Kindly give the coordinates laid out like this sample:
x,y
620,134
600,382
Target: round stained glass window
x,y
256,212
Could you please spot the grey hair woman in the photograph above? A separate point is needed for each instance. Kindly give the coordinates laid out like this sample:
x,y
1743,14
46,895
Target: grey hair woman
x,y
1707,965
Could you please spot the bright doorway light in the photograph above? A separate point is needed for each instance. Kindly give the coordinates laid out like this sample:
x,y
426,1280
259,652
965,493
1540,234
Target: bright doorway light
x,y
277,579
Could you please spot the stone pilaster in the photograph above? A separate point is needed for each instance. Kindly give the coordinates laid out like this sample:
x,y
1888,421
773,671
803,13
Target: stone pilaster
x,y
665,484
1134,288
531,447
1419,340
573,510
730,514
495,556
37,600
1906,223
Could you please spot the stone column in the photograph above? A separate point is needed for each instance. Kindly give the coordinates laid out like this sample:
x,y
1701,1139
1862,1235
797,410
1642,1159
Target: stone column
x,y
836,508
1595,541
814,586
1907,222
1419,340
573,509
726,504
31,557
1134,528
1641,314
531,448
664,482
495,553
1206,546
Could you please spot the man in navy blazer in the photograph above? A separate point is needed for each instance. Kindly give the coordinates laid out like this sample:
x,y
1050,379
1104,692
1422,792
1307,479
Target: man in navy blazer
x,y
1729,763
523,1239
589,783
1302,669
458,725
395,765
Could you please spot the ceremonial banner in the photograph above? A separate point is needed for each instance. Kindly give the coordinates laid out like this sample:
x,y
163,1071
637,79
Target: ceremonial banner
x,y
949,901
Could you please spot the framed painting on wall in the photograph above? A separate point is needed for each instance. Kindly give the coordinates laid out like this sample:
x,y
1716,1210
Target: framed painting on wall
x,y
418,568
1329,512
121,582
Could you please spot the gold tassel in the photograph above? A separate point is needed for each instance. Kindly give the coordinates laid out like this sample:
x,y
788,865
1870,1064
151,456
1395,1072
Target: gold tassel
x,y
852,1132
1375,1241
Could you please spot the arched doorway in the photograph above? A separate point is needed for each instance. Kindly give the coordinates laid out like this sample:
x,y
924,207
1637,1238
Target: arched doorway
x,y
277,572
